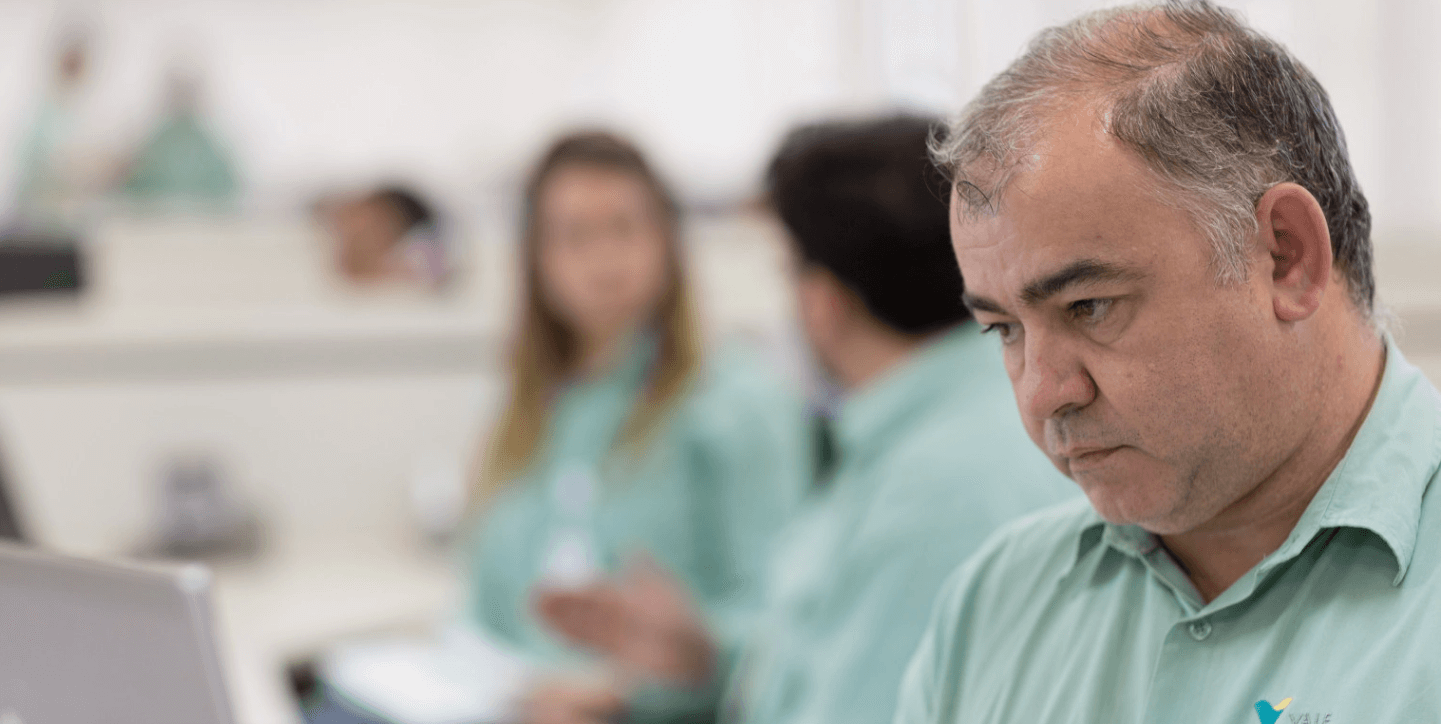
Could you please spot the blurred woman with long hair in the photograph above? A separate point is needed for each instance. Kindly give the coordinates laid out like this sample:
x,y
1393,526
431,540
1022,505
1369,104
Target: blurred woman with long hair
x,y
621,436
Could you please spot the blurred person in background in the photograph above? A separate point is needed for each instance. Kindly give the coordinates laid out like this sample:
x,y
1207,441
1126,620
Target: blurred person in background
x,y
62,167
621,436
932,458
622,439
182,163
390,234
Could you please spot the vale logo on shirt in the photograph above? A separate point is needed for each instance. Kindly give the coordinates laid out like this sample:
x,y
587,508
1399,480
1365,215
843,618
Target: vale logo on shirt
x,y
1268,713
1271,714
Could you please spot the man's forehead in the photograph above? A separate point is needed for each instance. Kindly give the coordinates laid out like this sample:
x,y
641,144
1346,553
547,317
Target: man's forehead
x,y
1067,165
1078,195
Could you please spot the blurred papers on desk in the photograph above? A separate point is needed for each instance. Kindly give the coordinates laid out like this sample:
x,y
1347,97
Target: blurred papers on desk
x,y
459,676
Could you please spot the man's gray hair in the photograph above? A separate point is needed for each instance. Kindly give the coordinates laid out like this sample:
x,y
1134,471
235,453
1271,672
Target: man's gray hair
x,y
1219,112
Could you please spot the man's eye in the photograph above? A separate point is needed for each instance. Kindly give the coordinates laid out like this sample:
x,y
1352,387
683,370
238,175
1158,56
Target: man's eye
x,y
1007,332
1089,310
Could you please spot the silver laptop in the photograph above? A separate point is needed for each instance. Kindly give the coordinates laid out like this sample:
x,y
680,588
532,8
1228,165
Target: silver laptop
x,y
83,642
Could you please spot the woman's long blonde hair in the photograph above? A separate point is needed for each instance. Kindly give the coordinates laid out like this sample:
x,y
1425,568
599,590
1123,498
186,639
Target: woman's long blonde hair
x,y
545,351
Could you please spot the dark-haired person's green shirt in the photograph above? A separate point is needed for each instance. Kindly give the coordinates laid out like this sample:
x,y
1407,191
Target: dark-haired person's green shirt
x,y
932,459
1066,618
717,478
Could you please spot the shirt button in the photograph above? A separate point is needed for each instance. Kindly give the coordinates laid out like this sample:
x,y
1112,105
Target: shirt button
x,y
1201,629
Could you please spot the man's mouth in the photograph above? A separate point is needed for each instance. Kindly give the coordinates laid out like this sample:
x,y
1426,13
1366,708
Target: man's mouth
x,y
1086,456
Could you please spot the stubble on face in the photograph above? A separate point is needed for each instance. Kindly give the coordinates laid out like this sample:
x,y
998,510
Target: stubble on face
x,y
1165,411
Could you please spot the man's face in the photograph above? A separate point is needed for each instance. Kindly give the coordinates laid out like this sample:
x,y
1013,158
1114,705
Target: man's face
x,y
1157,389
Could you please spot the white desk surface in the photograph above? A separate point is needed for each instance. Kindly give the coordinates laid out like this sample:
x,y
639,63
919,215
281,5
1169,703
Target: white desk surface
x,y
319,399
292,606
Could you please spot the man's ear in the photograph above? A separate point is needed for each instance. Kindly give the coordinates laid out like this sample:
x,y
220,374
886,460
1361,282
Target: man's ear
x,y
1293,232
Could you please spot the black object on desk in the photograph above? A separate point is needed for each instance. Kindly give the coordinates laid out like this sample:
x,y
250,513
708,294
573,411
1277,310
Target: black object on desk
x,y
31,262
9,520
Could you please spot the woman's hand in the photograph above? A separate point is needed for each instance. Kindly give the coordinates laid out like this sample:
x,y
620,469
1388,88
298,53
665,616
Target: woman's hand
x,y
644,622
571,702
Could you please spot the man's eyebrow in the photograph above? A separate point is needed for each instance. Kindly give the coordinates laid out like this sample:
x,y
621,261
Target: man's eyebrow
x,y
1084,271
981,304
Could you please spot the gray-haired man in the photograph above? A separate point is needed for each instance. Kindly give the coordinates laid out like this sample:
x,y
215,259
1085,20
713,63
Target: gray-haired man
x,y
1154,210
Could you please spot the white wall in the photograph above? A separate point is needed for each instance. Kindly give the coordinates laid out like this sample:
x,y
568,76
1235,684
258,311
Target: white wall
x,y
461,92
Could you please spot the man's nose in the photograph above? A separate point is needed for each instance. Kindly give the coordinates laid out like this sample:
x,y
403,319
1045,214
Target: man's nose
x,y
1054,380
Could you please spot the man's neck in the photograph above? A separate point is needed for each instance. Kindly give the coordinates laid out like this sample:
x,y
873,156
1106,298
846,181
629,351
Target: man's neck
x,y
869,354
1216,555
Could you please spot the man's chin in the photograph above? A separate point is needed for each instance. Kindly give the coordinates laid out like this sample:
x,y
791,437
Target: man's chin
x,y
1126,503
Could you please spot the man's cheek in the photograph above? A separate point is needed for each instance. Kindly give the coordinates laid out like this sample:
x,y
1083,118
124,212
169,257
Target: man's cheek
x,y
1014,358
1037,430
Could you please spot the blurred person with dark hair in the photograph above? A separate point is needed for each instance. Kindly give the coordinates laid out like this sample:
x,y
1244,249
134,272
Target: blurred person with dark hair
x,y
621,435
391,234
932,458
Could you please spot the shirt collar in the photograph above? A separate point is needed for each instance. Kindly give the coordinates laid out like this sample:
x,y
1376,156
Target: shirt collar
x,y
1094,530
1377,486
943,367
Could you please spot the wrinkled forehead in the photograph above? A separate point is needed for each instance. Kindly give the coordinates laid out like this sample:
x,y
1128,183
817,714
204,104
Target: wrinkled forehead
x,y
991,154
1077,193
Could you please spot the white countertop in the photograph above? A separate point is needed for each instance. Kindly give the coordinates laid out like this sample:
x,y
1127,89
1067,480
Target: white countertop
x,y
293,606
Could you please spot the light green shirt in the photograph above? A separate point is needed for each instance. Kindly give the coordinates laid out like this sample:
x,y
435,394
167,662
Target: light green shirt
x,y
52,189
719,477
932,460
1065,618
182,162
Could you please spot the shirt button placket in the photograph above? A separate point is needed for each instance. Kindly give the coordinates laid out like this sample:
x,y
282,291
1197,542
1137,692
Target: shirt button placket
x,y
1200,629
